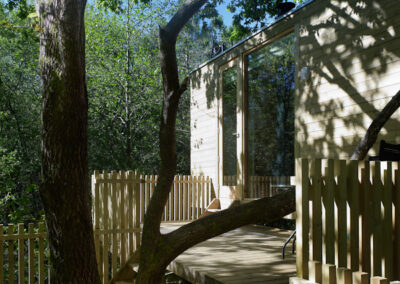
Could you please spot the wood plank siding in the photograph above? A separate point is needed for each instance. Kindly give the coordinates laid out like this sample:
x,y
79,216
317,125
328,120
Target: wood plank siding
x,y
351,50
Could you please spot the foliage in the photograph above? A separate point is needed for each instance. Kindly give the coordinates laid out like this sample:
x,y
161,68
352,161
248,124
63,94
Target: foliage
x,y
20,104
251,15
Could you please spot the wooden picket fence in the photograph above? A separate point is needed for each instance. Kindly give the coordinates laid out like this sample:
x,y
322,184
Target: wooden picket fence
x,y
120,202
348,221
23,255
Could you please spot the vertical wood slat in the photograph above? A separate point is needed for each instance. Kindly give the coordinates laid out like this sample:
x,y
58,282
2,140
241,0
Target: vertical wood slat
x,y
387,222
366,218
203,186
1,255
122,219
175,193
114,212
190,198
198,195
328,214
105,215
142,197
21,250
179,186
96,218
11,255
131,213
137,196
341,215
377,221
31,254
354,198
302,218
316,231
41,254
185,198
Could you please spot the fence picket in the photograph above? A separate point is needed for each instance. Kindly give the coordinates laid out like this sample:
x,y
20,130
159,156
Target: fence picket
x,y
377,221
11,255
106,193
354,198
316,232
341,215
21,250
328,215
366,202
114,212
31,255
302,218
96,212
130,188
137,209
388,222
122,219
41,254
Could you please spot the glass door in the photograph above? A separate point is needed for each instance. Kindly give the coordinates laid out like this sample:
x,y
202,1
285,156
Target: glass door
x,y
269,113
229,129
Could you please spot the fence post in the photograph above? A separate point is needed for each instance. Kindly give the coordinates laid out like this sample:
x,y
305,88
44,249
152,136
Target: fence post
x,y
302,218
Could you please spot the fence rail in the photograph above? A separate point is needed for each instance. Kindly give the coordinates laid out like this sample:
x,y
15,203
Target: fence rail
x,y
348,221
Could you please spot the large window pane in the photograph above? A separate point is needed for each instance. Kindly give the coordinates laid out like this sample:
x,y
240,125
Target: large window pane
x,y
270,116
229,130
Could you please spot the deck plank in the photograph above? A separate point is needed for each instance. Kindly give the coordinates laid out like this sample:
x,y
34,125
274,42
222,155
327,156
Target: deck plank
x,y
251,254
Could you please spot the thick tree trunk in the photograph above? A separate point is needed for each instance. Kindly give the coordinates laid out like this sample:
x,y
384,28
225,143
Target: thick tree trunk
x,y
379,121
64,189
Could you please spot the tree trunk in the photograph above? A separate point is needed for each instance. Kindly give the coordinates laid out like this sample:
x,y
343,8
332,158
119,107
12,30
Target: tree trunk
x,y
379,121
64,189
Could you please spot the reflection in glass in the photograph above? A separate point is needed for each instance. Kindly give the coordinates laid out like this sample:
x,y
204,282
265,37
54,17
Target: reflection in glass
x,y
229,126
270,116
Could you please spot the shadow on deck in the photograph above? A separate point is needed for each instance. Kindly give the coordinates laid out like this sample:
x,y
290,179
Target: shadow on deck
x,y
251,254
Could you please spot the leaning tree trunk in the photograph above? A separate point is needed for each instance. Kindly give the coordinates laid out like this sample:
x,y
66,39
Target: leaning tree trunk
x,y
64,189
371,135
158,250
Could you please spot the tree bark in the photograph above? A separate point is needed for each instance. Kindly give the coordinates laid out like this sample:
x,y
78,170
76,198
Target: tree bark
x,y
64,188
371,135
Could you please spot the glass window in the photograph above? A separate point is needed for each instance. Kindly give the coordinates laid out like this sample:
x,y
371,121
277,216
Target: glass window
x,y
229,129
270,116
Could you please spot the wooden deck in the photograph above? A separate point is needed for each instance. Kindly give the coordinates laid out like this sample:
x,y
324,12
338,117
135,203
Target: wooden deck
x,y
251,254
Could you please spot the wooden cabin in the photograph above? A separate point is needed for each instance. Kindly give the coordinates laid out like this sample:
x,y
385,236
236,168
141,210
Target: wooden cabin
x,y
307,85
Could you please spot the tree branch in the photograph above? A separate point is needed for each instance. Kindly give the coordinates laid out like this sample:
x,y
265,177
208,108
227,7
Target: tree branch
x,y
182,16
262,210
373,130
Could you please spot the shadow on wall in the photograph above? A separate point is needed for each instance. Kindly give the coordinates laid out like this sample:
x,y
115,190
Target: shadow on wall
x,y
352,49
